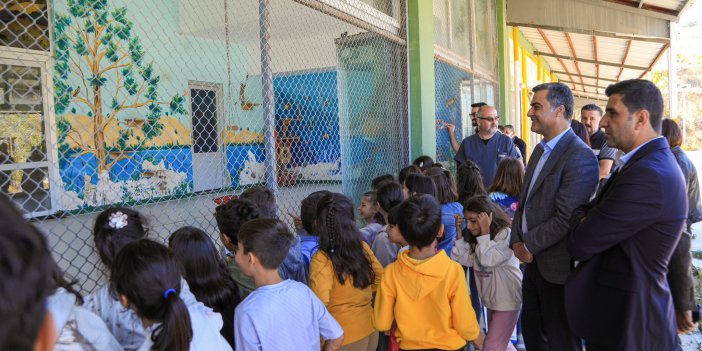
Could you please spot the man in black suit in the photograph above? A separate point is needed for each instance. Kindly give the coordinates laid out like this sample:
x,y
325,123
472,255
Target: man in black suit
x,y
618,297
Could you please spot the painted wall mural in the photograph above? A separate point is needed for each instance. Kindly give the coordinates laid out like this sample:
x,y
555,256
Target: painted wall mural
x,y
100,74
123,109
449,97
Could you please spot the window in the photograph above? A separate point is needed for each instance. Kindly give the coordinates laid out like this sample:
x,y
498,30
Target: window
x,y
24,161
25,24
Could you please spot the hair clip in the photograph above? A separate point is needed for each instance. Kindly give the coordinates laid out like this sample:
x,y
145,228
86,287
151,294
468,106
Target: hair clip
x,y
118,220
169,292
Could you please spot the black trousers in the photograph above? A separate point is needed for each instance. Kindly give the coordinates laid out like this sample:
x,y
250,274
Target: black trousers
x,y
544,322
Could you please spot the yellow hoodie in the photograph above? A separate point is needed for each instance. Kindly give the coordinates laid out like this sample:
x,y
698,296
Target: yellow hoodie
x,y
428,300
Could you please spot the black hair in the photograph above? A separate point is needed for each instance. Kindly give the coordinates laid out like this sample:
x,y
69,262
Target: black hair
x,y
671,131
418,183
308,210
25,279
206,274
404,172
263,198
443,182
114,228
147,273
558,94
580,130
478,105
421,220
268,239
389,196
60,280
340,241
469,181
393,216
380,180
509,126
373,199
640,94
424,162
592,107
234,214
480,203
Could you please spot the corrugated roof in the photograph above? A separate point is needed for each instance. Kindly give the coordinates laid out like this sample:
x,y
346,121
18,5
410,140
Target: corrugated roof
x,y
668,7
590,63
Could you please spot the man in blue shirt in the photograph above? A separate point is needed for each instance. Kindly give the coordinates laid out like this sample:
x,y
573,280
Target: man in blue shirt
x,y
488,147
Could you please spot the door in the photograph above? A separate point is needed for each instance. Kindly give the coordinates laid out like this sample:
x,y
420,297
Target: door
x,y
28,174
208,153
466,101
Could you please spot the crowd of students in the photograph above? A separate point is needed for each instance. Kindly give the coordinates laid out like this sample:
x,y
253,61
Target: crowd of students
x,y
399,281
427,254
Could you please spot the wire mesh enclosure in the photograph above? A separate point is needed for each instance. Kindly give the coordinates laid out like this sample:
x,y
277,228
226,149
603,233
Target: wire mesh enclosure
x,y
168,105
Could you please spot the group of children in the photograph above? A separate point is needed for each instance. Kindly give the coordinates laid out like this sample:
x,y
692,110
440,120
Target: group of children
x,y
395,283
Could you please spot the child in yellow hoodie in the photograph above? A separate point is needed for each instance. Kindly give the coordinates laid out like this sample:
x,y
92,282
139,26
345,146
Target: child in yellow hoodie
x,y
425,292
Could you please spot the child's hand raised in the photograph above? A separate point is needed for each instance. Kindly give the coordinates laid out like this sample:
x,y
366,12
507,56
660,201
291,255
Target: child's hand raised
x,y
484,220
459,227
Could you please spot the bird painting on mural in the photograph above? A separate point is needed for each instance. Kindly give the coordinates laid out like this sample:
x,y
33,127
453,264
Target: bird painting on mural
x,y
246,105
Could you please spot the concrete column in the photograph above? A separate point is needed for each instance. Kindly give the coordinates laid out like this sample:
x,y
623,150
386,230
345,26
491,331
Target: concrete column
x,y
420,28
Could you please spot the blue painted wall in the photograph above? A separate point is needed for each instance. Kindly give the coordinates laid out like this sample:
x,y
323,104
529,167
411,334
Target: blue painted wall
x,y
448,80
316,122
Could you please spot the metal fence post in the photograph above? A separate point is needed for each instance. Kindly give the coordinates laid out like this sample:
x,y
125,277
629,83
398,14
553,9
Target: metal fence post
x,y
268,99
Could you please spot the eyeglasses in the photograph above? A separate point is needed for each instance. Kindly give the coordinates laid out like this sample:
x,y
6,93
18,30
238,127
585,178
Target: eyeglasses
x,y
490,119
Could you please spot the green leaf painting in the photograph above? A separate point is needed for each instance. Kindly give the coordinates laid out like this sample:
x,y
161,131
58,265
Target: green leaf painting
x,y
101,70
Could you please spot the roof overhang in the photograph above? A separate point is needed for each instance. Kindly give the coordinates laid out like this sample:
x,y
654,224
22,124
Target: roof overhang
x,y
590,44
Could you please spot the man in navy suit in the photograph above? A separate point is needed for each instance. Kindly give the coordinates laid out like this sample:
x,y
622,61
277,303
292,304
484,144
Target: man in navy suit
x,y
561,175
618,297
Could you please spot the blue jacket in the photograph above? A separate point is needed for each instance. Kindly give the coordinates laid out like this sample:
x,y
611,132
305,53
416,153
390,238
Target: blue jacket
x,y
618,296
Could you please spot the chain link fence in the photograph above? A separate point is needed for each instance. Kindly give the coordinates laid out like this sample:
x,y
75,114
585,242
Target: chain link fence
x,y
166,105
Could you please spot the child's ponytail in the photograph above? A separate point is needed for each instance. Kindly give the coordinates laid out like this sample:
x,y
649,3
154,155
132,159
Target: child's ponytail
x,y
148,275
175,332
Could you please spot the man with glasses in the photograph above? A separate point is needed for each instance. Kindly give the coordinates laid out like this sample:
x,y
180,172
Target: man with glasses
x,y
488,147
451,128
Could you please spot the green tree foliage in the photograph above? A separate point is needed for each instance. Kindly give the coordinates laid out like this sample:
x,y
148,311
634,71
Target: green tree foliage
x,y
100,67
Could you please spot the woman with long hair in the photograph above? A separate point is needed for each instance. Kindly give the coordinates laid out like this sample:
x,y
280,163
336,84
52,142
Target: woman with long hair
x,y
344,273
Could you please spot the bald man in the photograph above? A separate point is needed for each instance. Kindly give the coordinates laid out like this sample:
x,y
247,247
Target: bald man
x,y
488,147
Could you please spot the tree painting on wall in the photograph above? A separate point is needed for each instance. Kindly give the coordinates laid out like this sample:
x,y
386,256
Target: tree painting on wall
x,y
100,67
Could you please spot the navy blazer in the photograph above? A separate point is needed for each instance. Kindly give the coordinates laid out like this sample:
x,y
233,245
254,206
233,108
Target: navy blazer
x,y
618,296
